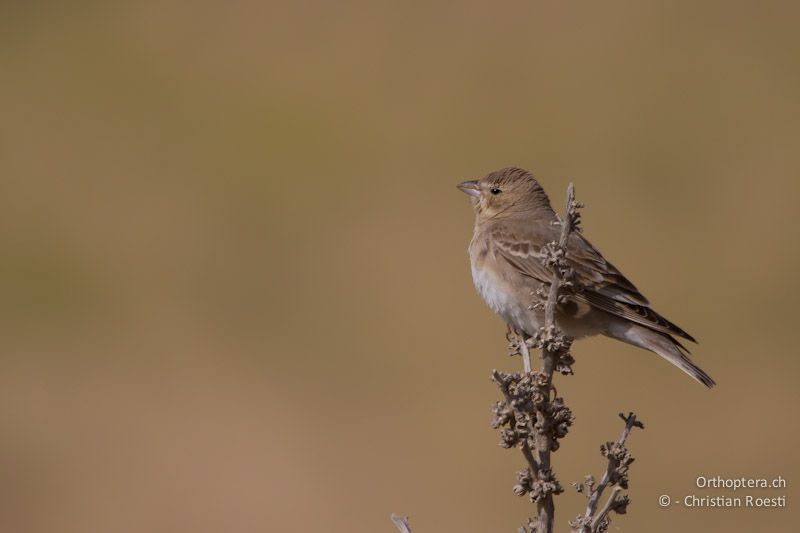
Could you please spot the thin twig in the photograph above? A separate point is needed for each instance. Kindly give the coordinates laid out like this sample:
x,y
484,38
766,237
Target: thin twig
x,y
401,523
630,423
567,225
525,351
606,508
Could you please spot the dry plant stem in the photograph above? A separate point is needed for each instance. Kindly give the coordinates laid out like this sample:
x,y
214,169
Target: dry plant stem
x,y
545,506
401,523
526,353
616,475
630,423
606,508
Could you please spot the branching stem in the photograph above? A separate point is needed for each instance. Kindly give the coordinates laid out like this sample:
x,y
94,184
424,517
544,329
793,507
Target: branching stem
x,y
544,445
630,423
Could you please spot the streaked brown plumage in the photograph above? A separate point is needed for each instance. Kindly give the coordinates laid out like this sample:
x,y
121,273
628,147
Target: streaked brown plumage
x,y
513,221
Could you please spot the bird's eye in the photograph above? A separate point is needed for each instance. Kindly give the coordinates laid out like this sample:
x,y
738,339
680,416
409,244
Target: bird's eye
x,y
495,190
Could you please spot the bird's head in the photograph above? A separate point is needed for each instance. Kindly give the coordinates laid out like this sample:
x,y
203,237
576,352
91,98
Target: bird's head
x,y
506,192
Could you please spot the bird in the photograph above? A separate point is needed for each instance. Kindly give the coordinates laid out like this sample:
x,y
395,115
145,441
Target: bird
x,y
514,221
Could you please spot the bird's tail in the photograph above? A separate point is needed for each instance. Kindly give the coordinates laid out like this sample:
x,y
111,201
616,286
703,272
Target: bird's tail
x,y
662,344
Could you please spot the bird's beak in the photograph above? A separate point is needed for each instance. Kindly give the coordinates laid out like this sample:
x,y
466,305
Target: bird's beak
x,y
470,187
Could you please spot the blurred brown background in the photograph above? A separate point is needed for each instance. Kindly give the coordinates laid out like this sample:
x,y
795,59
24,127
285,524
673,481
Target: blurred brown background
x,y
235,293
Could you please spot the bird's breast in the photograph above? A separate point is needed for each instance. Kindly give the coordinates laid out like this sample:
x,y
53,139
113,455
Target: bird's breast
x,y
512,304
491,290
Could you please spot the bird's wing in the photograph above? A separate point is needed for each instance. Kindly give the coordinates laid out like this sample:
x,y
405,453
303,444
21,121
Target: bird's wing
x,y
596,273
523,251
602,285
